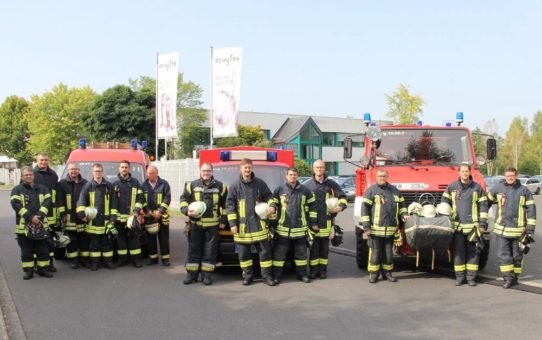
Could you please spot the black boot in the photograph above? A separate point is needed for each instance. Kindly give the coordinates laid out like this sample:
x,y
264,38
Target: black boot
x,y
388,276
74,264
94,265
109,264
28,273
138,263
303,278
122,261
313,272
190,278
84,261
459,281
269,281
373,277
166,263
42,271
152,262
247,278
51,267
206,278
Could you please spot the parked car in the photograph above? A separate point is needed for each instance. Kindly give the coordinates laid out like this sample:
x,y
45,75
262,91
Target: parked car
x,y
532,183
348,185
492,181
303,179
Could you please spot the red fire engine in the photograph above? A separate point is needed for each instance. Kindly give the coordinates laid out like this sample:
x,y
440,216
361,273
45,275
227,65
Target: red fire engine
x,y
269,165
421,161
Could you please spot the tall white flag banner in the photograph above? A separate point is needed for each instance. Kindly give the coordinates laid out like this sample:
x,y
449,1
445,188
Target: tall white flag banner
x,y
226,90
166,95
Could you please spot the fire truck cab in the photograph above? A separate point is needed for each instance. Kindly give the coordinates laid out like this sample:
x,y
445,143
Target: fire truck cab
x,y
269,164
421,161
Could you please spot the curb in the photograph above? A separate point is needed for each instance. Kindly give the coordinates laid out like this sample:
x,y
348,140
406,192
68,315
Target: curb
x,y
10,323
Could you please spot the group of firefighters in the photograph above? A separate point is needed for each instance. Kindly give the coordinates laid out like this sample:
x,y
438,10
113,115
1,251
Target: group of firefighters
x,y
292,217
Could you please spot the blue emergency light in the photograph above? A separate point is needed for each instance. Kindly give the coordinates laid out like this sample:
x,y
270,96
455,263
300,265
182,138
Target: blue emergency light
x,y
133,143
448,124
459,118
272,156
225,155
83,143
373,124
419,123
144,144
367,118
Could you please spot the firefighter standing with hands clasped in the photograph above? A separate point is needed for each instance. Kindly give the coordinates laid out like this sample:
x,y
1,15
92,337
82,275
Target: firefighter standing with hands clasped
x,y
382,205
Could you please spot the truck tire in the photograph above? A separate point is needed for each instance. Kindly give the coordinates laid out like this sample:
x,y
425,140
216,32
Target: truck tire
x,y
362,250
484,255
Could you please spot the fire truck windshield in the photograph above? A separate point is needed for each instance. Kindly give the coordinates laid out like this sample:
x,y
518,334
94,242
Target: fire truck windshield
x,y
273,176
425,146
111,170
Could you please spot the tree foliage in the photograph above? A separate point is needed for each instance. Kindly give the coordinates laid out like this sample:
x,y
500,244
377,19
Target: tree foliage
x,y
120,114
303,167
515,142
403,107
14,129
55,120
248,135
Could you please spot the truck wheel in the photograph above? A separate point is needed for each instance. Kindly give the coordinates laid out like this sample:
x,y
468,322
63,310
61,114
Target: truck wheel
x,y
362,250
484,255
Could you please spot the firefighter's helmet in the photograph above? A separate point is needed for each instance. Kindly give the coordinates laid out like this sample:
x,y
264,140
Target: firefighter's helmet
x,y
134,225
444,208
414,208
429,210
198,207
61,240
262,209
36,231
90,213
152,228
332,203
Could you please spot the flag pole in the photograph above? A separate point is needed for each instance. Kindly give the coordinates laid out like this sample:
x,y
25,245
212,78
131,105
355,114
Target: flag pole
x,y
211,105
156,111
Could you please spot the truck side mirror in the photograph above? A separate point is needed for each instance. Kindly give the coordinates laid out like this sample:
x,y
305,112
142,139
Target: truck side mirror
x,y
347,152
491,146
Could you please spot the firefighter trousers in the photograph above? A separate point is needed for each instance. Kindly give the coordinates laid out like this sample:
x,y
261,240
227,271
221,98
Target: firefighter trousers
x,y
466,258
202,249
319,254
127,242
100,246
264,252
380,254
29,247
78,246
280,251
510,257
161,238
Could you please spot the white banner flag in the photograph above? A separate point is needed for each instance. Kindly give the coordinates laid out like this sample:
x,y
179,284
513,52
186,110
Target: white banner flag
x,y
226,89
166,95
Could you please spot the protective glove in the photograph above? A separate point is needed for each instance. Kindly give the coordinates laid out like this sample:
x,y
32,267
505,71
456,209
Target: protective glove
x,y
397,239
111,230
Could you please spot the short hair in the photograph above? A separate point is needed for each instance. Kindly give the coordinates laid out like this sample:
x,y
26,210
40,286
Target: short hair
x,y
97,165
246,161
124,161
292,169
206,163
511,169
382,171
318,161
465,165
70,164
152,167
26,168
42,154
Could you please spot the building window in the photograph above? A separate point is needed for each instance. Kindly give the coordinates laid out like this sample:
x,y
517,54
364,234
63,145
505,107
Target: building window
x,y
329,139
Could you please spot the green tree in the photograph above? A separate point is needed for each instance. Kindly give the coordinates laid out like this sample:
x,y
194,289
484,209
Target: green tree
x,y
532,162
303,167
514,146
120,114
248,135
14,129
403,107
55,120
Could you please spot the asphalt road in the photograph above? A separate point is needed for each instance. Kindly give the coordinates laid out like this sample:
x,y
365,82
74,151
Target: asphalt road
x,y
151,302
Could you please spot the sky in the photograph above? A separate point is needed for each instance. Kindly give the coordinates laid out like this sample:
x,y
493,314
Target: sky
x,y
320,58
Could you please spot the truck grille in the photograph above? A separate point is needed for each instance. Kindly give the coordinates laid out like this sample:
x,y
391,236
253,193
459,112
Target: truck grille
x,y
433,197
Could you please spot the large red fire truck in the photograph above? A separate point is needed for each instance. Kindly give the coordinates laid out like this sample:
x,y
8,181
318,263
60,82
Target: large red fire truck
x,y
421,161
269,165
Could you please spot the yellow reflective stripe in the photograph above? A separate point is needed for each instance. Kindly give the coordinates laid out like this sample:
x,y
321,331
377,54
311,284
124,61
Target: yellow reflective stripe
x,y
303,216
135,251
189,187
472,266
250,237
343,201
43,263
192,267
22,211
267,264
159,198
387,267
531,221
245,264
500,207
460,268
291,232
28,264
133,196
482,199
80,208
107,253
447,195
376,217
373,268
521,211
511,232
529,202
507,268
184,204
475,207
197,196
278,263
454,205
95,253
314,262
106,205
300,262
69,201
323,261
232,217
518,270
368,201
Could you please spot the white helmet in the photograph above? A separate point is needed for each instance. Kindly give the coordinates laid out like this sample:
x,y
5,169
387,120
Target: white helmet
x,y
261,210
61,240
414,208
198,207
429,210
332,203
152,228
90,213
444,208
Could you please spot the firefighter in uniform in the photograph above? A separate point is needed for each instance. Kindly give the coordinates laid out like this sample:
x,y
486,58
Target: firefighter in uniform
x,y
130,201
515,221
202,231
157,194
469,215
294,203
69,190
382,205
31,203
323,188
47,177
249,230
99,194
